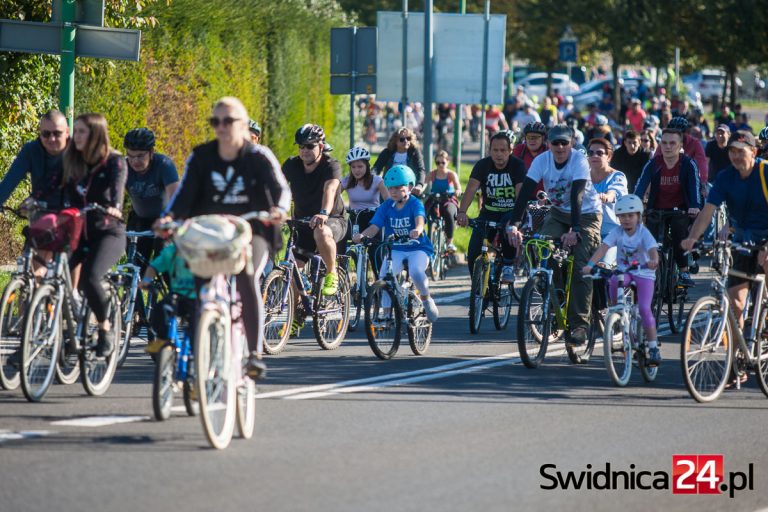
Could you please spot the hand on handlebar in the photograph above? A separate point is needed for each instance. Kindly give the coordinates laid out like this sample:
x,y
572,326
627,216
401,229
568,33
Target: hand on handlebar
x,y
570,239
515,237
414,234
159,227
462,219
687,244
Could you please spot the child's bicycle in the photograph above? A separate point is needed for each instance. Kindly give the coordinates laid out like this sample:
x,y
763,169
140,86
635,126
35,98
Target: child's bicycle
x,y
392,302
623,336
360,267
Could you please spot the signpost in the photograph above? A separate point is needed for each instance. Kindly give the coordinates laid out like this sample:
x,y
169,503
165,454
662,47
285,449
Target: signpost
x,y
569,50
76,30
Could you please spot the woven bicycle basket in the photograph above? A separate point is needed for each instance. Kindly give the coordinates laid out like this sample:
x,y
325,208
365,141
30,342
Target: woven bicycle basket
x,y
214,244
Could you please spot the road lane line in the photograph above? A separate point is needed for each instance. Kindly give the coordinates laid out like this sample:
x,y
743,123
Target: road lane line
x,y
7,435
452,298
99,421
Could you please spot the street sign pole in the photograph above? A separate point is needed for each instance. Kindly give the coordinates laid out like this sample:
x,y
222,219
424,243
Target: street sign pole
x,y
67,67
484,92
353,77
428,53
458,125
404,100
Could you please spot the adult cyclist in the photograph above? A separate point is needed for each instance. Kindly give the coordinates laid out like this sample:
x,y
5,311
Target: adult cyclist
x,y
763,143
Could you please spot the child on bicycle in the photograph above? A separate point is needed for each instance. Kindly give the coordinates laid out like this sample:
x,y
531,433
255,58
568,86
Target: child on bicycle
x,y
403,215
634,243
182,286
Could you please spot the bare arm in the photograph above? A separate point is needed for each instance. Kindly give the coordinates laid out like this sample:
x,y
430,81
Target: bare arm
x,y
383,191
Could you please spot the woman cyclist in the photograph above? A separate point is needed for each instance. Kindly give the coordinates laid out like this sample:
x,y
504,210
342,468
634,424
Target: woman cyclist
x,y
446,183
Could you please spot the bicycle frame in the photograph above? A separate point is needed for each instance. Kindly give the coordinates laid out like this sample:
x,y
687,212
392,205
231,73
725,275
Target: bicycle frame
x,y
544,252
488,252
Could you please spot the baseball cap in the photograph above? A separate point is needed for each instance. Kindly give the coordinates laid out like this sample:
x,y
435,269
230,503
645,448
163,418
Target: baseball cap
x,y
723,127
560,132
741,139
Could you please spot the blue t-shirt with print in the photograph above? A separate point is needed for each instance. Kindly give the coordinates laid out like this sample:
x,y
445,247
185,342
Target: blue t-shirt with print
x,y
747,204
401,222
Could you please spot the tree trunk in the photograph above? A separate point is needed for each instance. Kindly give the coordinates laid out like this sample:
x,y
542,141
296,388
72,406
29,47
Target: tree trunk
x,y
734,92
616,92
724,96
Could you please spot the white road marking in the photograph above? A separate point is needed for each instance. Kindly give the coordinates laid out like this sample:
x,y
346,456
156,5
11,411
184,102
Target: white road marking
x,y
452,298
99,421
7,435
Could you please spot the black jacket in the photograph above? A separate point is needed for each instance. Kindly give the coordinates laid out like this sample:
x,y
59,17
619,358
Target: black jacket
x,y
415,161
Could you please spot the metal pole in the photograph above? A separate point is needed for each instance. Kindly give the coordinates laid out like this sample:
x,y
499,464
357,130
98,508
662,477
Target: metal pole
x,y
677,70
353,90
428,53
484,96
458,125
404,99
67,67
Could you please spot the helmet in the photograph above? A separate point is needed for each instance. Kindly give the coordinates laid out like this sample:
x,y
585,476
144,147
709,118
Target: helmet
x,y
399,175
601,120
504,135
678,123
763,135
629,203
652,121
308,134
254,127
535,127
140,139
358,153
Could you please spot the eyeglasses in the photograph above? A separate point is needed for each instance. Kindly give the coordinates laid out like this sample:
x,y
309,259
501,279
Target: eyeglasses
x,y
405,139
441,162
137,156
560,142
47,133
307,146
226,121
645,141
599,152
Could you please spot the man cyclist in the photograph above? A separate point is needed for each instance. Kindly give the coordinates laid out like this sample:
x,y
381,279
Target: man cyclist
x,y
254,131
499,178
742,186
575,217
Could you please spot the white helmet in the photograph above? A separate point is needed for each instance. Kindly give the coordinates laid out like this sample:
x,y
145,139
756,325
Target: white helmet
x,y
358,153
629,203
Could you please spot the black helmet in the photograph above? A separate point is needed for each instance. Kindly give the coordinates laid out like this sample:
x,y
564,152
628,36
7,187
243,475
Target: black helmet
x,y
678,123
308,134
254,127
535,127
140,139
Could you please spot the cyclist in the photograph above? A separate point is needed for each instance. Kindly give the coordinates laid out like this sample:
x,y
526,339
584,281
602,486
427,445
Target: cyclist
x,y
94,173
403,215
446,183
742,186
402,149
254,131
574,217
231,175
609,183
634,243
691,147
763,139
534,143
499,178
673,179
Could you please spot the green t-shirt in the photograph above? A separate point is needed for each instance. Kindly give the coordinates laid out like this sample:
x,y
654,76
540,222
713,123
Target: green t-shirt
x,y
182,280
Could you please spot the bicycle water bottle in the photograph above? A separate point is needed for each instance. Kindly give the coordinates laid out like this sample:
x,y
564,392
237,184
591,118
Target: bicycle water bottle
x,y
316,262
355,229
20,264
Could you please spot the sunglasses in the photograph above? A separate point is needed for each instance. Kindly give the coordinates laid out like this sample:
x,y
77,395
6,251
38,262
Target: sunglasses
x,y
307,146
405,139
599,152
441,162
47,133
137,156
226,121
559,143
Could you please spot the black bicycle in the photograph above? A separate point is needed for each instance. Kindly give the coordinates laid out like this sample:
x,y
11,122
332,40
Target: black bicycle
x,y
361,271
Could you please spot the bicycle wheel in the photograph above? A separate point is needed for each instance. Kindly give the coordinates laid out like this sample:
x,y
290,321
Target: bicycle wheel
x,y
439,248
127,306
355,295
190,397
534,321
522,271
383,321
278,312
67,366
330,318
476,295
761,367
617,350
41,344
245,405
419,328
15,300
502,306
706,361
582,353
215,384
659,290
676,308
162,385
637,334
98,372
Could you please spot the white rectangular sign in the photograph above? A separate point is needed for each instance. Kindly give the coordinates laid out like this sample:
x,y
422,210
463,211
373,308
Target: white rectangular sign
x,y
457,60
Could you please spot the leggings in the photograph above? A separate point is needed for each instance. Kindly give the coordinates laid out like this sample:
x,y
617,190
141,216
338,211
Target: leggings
x,y
644,286
417,268
98,253
448,211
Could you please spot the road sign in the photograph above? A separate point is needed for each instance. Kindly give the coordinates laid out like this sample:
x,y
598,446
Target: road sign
x,y
342,84
568,51
29,37
364,42
87,12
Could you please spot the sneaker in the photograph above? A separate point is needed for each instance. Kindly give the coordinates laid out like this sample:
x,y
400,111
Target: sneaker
x,y
450,248
255,367
577,337
155,346
684,279
654,357
330,284
507,274
430,308
106,344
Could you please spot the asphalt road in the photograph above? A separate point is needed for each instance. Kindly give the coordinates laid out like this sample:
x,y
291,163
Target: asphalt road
x,y
466,427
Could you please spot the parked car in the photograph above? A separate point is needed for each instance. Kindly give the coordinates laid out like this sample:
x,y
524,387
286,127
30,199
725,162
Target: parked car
x,y
592,92
535,84
707,82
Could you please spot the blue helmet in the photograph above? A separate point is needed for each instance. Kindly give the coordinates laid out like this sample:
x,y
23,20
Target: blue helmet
x,y
399,175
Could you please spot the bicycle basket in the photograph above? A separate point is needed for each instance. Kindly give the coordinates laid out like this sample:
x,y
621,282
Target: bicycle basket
x,y
214,244
56,231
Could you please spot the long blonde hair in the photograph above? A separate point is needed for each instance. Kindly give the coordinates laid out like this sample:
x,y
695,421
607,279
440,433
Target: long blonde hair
x,y
76,163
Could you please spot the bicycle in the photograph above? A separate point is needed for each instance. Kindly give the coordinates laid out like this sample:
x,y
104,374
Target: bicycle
x,y
436,231
713,347
542,316
667,288
330,315
359,269
623,336
53,315
486,284
392,302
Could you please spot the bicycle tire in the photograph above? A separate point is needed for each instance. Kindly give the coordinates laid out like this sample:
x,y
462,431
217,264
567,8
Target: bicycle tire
x,y
502,306
246,408
278,314
68,364
522,270
96,372
127,310
648,373
189,394
617,350
330,317
476,297
355,296
419,327
657,304
215,379
39,339
162,384
761,365
380,325
15,301
676,310
703,321
534,321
